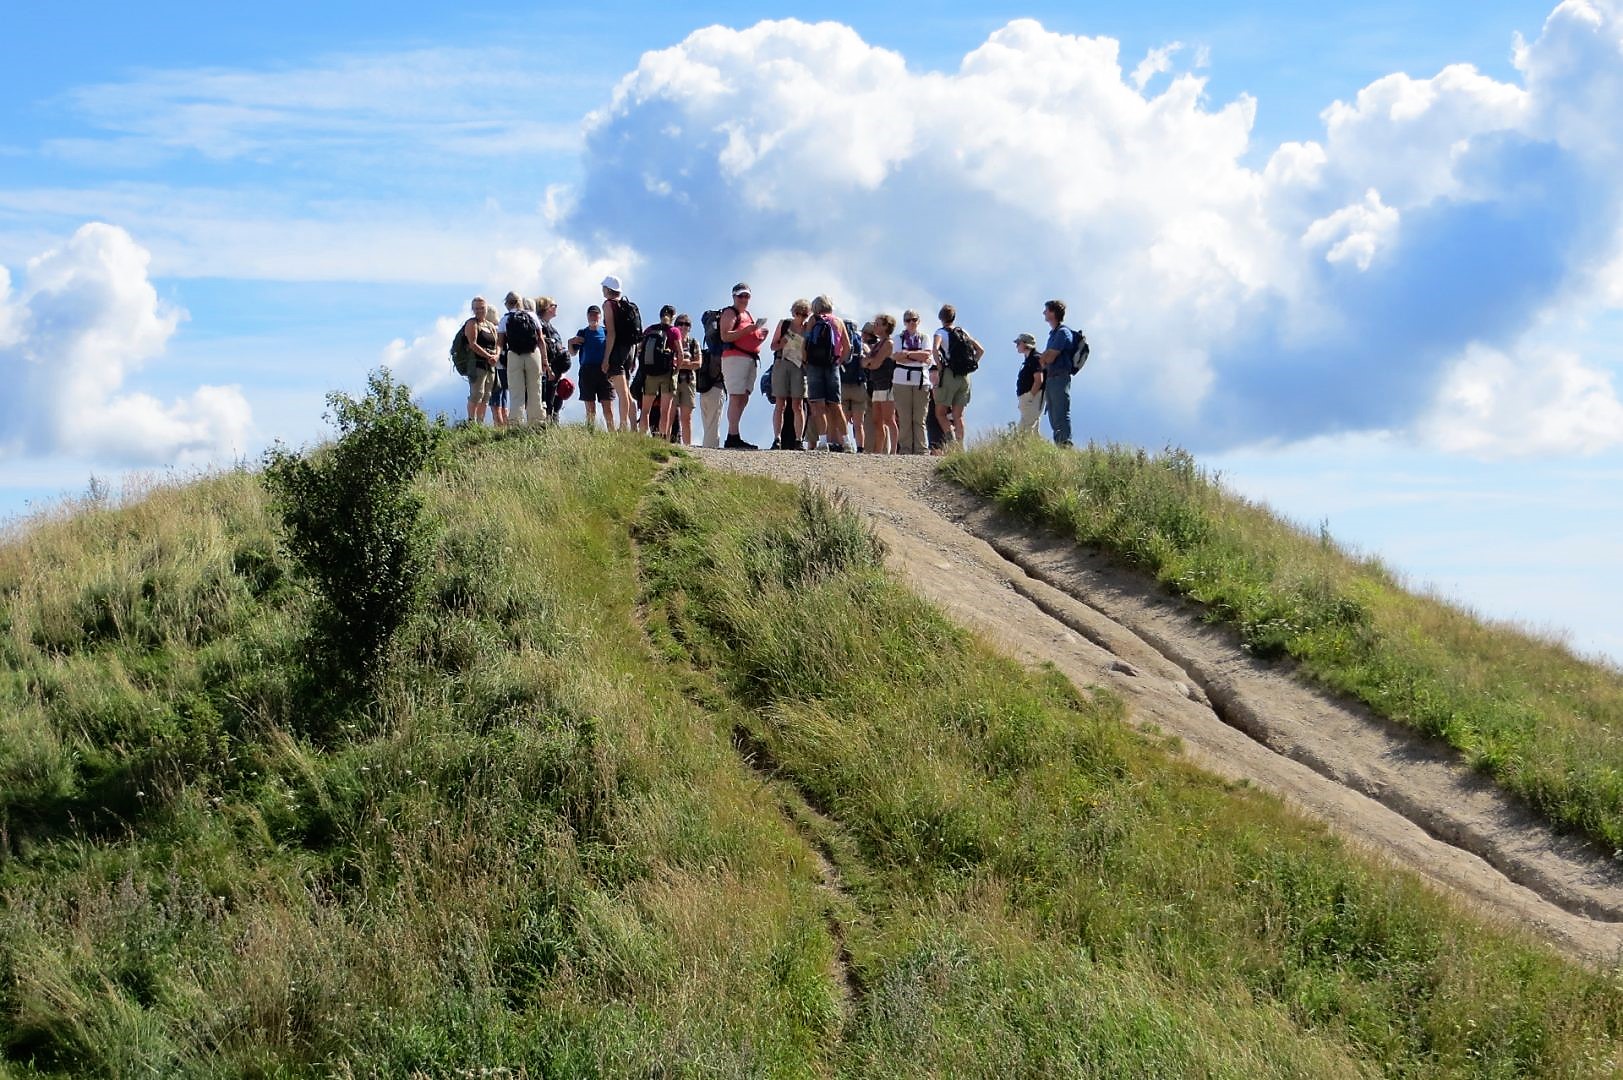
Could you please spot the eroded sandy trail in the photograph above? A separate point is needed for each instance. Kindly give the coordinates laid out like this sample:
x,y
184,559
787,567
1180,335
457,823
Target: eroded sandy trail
x,y
1042,599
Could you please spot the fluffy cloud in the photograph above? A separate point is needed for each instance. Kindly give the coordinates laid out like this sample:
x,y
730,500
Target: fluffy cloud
x,y
1335,289
1538,402
84,319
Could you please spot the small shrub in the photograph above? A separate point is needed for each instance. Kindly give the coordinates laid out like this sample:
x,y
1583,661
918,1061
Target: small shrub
x,y
354,525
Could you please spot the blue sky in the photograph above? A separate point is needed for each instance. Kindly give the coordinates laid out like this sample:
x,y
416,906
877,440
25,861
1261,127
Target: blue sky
x,y
1366,259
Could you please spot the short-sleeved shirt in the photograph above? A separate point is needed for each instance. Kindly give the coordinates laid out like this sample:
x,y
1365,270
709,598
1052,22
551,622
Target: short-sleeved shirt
x,y
501,327
592,341
1062,339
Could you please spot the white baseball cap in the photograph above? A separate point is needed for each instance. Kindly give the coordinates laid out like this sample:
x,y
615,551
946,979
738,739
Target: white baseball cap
x,y
611,283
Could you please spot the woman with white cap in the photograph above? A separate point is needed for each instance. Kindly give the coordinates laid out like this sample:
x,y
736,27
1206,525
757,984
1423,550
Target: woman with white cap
x,y
617,347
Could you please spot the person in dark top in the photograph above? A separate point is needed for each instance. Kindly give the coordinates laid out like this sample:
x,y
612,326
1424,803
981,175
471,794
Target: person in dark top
x,y
1028,384
480,332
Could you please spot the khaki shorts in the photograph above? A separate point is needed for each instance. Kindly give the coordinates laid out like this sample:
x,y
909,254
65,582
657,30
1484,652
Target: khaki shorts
x,y
879,396
738,374
686,393
953,393
855,399
788,381
480,381
658,385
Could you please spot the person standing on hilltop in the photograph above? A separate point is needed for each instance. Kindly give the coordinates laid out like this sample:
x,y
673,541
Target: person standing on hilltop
x,y
557,365
826,345
743,338
878,359
1056,361
589,343
689,361
519,334
661,346
911,387
623,328
789,377
957,356
480,333
1028,384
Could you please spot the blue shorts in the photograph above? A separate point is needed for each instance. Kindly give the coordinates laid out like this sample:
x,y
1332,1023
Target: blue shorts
x,y
823,383
498,389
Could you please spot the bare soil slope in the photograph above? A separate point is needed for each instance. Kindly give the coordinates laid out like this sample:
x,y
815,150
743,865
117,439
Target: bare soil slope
x,y
1040,598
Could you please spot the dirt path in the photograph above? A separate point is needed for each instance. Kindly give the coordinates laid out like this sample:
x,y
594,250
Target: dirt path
x,y
1039,598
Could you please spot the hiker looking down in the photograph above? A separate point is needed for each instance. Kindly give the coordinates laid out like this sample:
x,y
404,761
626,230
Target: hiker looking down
x,y
743,338
854,387
709,383
789,376
480,334
622,324
557,365
589,344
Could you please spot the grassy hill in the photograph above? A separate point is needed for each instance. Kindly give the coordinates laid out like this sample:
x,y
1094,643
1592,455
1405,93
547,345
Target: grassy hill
x,y
666,777
1541,721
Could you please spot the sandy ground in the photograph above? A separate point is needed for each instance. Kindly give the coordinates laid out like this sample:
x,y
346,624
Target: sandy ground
x,y
1398,795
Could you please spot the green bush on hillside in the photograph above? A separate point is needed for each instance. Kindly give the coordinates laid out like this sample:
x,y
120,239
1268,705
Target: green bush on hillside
x,y
355,526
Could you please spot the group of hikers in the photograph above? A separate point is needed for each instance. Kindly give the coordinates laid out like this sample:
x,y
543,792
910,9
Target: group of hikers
x,y
832,383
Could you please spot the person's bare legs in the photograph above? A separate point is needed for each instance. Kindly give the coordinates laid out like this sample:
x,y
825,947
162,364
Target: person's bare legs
x,y
622,399
735,411
667,413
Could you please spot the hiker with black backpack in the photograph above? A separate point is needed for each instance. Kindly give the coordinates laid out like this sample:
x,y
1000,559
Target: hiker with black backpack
x,y
958,356
474,354
911,387
708,383
826,345
623,326
854,387
519,333
661,343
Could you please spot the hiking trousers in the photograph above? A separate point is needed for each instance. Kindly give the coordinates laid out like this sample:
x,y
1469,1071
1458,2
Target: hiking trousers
x,y
912,413
524,389
1057,393
1031,411
711,403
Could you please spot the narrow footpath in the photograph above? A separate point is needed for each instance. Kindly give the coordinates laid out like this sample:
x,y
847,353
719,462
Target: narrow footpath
x,y
1388,790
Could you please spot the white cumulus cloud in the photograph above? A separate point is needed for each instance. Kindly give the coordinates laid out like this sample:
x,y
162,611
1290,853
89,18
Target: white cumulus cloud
x,y
83,320
1332,290
1535,402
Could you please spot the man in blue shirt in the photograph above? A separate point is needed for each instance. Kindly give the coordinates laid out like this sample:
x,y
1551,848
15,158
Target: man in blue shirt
x,y
594,385
1057,371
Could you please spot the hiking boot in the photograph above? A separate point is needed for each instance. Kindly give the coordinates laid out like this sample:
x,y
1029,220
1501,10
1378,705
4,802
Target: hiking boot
x,y
776,445
736,442
836,448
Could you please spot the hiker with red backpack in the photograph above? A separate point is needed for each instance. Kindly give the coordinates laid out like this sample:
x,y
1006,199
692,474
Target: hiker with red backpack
x,y
519,334
957,357
661,344
743,338
623,328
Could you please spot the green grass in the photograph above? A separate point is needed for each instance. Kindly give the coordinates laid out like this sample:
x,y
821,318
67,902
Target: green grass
x,y
1044,892
1541,721
538,849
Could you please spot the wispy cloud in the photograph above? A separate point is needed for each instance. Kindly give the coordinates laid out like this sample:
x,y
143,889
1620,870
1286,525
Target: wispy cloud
x,y
448,104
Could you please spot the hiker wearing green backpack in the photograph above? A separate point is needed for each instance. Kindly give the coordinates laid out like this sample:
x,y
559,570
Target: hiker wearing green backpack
x,y
957,356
